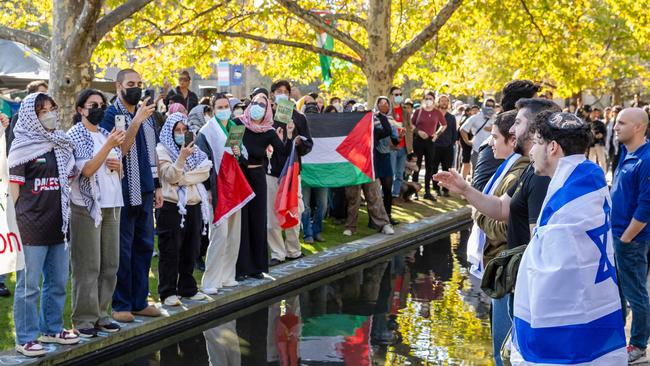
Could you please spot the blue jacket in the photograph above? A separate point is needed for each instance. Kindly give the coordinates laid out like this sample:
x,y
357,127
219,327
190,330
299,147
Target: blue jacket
x,y
631,191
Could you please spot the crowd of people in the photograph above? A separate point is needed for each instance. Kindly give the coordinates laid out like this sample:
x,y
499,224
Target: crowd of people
x,y
94,198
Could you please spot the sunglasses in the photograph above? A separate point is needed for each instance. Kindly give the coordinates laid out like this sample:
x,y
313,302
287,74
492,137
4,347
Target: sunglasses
x,y
95,105
263,105
397,94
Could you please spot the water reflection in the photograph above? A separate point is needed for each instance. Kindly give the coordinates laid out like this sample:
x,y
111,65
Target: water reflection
x,y
419,308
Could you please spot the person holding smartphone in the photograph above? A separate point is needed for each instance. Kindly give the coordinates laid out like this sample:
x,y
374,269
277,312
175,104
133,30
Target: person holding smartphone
x,y
185,212
95,225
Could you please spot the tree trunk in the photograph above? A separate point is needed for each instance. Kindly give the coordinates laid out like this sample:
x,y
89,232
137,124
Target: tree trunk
x,y
617,97
378,67
70,72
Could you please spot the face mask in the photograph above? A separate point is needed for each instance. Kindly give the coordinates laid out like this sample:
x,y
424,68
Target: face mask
x,y
222,114
95,115
279,97
179,139
398,99
132,95
428,102
257,112
237,112
488,112
50,121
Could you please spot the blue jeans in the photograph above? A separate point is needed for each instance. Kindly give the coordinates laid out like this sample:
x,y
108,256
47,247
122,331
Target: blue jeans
x,y
398,163
632,266
52,262
501,323
310,229
136,250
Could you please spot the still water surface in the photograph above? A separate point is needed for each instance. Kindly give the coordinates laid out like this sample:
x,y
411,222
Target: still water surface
x,y
417,308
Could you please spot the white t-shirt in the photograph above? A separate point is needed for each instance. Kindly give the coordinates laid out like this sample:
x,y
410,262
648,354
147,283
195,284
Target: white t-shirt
x,y
110,184
473,124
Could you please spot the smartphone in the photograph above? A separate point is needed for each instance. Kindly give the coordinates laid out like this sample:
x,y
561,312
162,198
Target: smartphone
x,y
120,122
189,137
151,94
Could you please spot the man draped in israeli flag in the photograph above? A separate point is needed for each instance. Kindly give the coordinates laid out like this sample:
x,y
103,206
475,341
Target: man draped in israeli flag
x,y
567,309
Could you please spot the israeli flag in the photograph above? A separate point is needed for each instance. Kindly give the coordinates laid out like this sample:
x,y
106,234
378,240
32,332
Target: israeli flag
x,y
567,309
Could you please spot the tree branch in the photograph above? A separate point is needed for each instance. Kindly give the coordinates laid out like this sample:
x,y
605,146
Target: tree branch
x,y
280,42
30,39
427,33
317,21
348,18
118,15
84,26
532,19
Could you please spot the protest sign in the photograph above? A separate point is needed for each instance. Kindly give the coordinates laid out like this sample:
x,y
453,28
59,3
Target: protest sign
x,y
11,249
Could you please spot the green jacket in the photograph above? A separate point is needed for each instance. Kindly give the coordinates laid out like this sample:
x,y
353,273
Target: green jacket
x,y
496,232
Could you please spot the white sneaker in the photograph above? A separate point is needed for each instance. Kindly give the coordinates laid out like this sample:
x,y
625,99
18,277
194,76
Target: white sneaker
x,y
387,230
347,232
31,349
64,337
172,300
210,291
232,283
199,296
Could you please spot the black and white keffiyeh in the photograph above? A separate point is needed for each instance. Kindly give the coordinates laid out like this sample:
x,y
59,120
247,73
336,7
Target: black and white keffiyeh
x,y
132,163
33,140
196,159
88,186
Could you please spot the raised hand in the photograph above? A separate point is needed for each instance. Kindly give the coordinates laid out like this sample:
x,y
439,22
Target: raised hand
x,y
116,138
451,180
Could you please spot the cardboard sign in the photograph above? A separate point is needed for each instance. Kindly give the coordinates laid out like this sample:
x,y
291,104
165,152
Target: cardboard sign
x,y
284,111
11,249
235,135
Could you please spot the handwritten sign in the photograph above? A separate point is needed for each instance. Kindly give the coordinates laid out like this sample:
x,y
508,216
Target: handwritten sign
x,y
11,250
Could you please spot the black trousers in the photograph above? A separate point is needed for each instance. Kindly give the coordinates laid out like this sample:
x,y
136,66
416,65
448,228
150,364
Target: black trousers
x,y
443,155
387,193
178,249
338,205
424,149
254,248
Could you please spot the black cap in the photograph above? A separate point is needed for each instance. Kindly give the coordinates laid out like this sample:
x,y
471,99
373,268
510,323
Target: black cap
x,y
258,91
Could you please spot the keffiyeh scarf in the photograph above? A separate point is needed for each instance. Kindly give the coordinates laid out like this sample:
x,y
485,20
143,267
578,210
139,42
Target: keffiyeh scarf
x,y
197,159
132,163
88,186
32,140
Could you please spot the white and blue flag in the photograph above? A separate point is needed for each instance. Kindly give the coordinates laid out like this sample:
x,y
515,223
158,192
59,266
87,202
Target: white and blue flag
x,y
567,309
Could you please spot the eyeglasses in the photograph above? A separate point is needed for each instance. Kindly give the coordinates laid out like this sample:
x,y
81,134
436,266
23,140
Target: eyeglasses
x,y
183,79
95,105
397,94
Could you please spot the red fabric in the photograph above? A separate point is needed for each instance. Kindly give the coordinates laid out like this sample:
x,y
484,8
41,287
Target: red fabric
x,y
287,333
355,349
428,121
357,146
286,201
398,114
233,189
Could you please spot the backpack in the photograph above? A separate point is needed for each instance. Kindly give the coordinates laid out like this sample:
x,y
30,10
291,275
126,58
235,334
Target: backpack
x,y
500,273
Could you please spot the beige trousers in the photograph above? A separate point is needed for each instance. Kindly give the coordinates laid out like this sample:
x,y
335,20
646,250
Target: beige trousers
x,y
281,248
223,250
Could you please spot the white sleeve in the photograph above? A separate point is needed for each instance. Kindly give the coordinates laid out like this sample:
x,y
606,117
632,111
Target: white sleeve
x,y
467,126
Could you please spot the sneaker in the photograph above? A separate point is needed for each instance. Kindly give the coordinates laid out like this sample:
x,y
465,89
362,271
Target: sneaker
x,y
275,262
199,296
4,291
230,283
87,332
387,230
64,337
259,276
241,278
172,300
309,240
31,349
150,310
635,355
347,232
123,316
319,238
210,291
109,327
430,197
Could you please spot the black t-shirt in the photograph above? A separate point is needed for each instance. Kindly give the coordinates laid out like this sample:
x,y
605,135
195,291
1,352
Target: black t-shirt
x,y
38,209
527,197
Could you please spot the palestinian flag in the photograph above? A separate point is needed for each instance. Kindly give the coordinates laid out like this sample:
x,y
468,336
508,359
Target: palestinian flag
x,y
342,152
233,190
336,339
286,200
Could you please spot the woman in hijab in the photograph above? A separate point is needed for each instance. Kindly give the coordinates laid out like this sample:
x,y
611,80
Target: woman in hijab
x,y
383,147
95,226
185,212
198,117
258,119
41,161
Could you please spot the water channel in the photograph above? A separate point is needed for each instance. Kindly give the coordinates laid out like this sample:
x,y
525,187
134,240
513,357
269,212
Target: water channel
x,y
418,307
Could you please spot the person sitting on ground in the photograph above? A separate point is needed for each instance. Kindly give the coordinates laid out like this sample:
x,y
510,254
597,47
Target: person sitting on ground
x,y
408,189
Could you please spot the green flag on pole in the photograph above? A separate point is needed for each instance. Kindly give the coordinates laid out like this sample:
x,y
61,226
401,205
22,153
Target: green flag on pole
x,y
326,41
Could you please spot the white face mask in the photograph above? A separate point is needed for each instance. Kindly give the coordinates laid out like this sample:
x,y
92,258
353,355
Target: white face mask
x,y
279,97
428,102
50,121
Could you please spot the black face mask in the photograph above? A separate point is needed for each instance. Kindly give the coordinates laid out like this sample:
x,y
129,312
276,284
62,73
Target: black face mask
x,y
132,95
311,108
95,115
